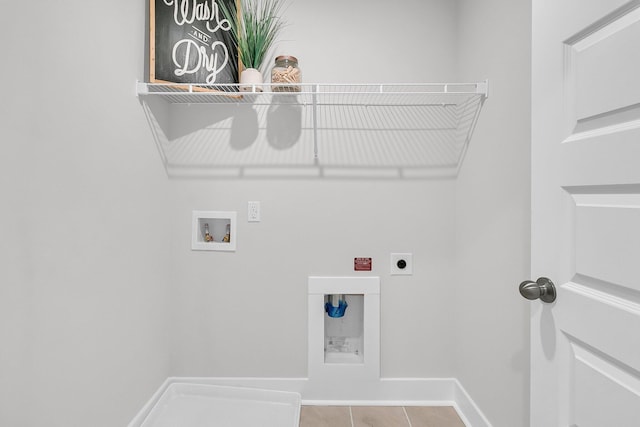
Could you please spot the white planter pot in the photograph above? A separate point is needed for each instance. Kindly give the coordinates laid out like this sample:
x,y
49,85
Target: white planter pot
x,y
251,80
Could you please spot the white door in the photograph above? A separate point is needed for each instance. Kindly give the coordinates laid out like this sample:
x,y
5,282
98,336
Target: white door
x,y
585,346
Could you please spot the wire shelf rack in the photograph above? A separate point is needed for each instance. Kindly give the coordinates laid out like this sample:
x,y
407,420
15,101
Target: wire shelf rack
x,y
401,130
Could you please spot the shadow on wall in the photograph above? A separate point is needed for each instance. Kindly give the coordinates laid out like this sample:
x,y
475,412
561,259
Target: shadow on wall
x,y
289,138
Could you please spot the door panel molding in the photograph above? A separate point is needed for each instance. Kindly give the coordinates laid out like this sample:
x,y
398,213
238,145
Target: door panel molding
x,y
600,73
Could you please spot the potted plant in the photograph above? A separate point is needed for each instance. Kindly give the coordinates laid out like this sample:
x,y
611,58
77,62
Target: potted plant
x,y
253,29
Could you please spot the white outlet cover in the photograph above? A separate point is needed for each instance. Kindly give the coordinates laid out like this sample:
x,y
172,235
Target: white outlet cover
x,y
253,211
397,271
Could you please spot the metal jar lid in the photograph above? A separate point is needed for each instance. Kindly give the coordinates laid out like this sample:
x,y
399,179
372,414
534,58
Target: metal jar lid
x,y
286,58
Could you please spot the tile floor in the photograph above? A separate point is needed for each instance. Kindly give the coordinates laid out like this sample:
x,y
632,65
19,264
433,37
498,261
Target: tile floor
x,y
379,416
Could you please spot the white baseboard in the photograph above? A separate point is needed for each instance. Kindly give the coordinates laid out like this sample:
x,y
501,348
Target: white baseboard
x,y
385,391
467,409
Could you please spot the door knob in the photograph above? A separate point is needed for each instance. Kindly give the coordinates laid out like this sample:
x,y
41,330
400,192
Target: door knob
x,y
542,288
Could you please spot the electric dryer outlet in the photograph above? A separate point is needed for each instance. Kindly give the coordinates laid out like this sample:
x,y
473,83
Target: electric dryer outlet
x,y
401,264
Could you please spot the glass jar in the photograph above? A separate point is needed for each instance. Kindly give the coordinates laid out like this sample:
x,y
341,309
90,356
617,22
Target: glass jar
x,y
285,74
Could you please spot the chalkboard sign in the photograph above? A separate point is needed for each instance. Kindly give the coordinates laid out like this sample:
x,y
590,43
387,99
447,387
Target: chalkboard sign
x,y
190,42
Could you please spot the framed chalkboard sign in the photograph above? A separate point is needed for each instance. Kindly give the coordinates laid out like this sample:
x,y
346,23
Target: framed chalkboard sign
x,y
190,42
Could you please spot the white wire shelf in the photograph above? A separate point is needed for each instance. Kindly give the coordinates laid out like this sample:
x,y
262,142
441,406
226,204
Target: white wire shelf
x,y
399,130
439,94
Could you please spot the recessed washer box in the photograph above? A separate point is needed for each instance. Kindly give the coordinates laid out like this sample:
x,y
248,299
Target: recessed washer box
x,y
347,348
213,231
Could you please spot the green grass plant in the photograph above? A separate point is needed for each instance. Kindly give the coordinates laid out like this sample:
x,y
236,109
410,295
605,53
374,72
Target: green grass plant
x,y
254,29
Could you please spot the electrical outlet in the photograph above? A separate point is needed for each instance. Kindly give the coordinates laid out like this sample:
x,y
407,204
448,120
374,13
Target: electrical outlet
x,y
401,264
253,212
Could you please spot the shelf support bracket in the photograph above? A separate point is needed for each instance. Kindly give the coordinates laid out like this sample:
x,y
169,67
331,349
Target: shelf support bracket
x,y
141,88
483,88
314,98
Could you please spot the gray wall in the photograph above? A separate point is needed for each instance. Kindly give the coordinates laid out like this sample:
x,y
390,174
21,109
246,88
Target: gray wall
x,y
83,276
493,213
101,297
426,318
245,313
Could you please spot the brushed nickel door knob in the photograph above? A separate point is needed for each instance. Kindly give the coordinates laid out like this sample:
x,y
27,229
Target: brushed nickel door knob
x,y
543,288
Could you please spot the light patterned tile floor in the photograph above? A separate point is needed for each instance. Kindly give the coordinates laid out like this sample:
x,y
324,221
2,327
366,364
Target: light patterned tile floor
x,y
379,416
433,416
